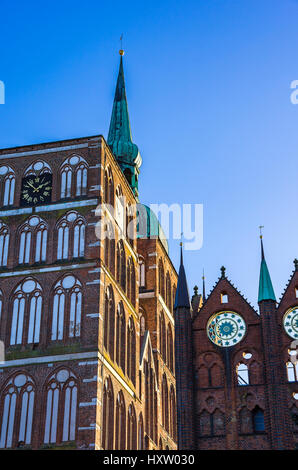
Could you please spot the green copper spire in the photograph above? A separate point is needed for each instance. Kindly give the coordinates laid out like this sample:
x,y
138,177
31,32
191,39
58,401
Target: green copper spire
x,y
120,138
266,291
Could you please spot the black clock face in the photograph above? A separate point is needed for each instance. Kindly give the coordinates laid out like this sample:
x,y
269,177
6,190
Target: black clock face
x,y
36,189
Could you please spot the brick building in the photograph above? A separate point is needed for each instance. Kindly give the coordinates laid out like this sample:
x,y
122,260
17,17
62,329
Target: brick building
x,y
86,305
236,370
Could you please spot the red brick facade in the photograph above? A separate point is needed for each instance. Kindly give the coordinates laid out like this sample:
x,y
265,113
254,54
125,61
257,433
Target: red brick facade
x,y
89,360
245,395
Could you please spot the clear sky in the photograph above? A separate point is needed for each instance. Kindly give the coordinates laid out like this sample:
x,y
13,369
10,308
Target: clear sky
x,y
208,86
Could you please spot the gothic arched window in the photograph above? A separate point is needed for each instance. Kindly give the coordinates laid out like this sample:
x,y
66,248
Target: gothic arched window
x,y
120,208
161,279
4,244
165,403
109,322
108,416
162,337
7,186
292,372
173,419
120,430
17,400
110,247
141,433
170,346
67,308
1,303
120,336
27,301
71,236
121,265
32,233
74,174
131,281
109,187
131,428
131,348
168,292
242,374
61,407
258,420
245,421
142,272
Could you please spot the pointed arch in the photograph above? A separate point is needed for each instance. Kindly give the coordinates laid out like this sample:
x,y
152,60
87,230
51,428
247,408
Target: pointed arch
x,y
242,374
120,429
108,416
7,186
17,399
131,428
121,265
27,307
67,308
162,337
131,281
71,236
62,391
33,233
173,417
170,348
109,187
168,291
258,420
161,279
110,247
120,336
292,371
142,271
4,243
74,176
131,348
165,403
109,322
245,421
140,432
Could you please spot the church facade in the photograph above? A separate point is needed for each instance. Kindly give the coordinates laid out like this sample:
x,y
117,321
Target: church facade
x,y
86,298
236,367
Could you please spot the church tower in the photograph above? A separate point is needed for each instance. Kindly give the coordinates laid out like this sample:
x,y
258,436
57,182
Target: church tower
x,y
184,368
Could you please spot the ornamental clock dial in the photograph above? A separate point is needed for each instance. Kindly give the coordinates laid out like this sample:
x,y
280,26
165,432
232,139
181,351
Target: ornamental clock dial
x,y
36,189
226,328
291,322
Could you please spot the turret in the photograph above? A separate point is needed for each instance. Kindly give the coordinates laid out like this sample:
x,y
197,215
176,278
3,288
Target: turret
x,y
183,362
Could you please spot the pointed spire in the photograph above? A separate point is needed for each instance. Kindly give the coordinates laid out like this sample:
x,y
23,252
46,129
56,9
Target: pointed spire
x,y
120,138
204,290
266,291
296,264
182,295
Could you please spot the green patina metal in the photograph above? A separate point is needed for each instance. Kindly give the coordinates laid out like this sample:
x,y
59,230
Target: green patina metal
x,y
149,226
120,138
266,291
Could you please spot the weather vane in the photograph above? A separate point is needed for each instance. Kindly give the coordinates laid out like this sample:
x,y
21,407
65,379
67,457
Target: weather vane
x,y
261,234
121,52
181,243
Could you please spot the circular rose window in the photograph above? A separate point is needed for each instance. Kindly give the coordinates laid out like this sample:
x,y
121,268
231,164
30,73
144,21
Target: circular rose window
x,y
291,322
226,328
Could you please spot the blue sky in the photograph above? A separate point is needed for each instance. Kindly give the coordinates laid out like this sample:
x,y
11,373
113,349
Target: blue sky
x,y
208,85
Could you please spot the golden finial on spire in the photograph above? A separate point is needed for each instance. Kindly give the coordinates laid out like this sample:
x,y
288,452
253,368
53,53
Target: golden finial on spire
x,y
121,52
